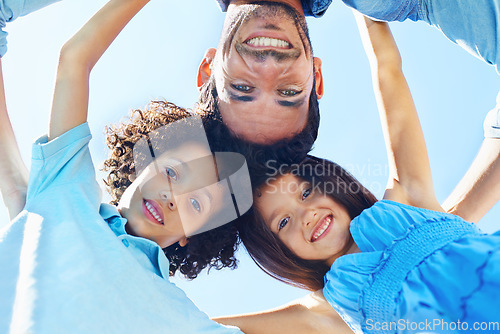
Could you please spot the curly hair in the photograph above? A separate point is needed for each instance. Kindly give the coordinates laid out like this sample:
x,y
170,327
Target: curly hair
x,y
214,248
272,255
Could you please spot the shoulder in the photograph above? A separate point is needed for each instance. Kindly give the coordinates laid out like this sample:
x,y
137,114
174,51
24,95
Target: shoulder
x,y
415,195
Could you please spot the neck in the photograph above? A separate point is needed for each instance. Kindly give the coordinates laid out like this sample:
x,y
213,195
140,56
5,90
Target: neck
x,y
353,249
296,4
350,248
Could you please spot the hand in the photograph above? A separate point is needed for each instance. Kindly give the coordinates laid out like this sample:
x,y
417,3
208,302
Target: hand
x,y
14,200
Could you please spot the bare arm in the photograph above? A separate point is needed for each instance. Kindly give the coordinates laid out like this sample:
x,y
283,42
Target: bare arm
x,y
479,189
410,179
13,171
78,57
69,109
311,314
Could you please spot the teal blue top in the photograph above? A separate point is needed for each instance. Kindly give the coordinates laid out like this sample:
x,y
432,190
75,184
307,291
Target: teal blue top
x,y
415,266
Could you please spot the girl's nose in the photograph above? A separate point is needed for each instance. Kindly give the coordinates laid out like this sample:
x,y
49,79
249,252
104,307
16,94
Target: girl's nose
x,y
308,216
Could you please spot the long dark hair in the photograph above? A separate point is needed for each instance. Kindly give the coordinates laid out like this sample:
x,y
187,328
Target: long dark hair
x,y
271,254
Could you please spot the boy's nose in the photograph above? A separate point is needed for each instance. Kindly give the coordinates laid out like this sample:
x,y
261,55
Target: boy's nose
x,y
167,198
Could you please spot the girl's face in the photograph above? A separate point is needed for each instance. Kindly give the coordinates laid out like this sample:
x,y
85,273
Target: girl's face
x,y
174,196
309,223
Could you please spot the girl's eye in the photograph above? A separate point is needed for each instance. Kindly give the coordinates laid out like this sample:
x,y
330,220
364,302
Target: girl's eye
x,y
290,92
196,205
242,88
171,173
283,223
306,193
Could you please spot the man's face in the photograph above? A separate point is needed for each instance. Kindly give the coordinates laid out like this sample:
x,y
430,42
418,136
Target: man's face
x,y
264,73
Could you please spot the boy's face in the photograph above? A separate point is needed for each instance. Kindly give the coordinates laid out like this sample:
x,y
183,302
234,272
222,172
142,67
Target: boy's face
x,y
174,196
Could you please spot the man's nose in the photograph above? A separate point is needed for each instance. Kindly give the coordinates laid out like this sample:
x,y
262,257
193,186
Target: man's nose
x,y
168,199
268,64
268,69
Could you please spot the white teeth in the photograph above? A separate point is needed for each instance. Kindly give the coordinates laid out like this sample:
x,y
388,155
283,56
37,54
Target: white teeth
x,y
267,41
322,228
153,212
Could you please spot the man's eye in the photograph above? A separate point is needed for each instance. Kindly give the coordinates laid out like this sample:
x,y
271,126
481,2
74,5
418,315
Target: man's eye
x,y
306,193
242,88
290,92
171,173
283,223
196,205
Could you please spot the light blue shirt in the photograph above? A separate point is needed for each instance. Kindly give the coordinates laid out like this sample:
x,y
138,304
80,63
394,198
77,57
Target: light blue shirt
x,y
69,267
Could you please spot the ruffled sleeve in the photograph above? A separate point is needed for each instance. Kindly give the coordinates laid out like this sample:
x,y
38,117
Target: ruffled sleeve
x,y
344,284
376,228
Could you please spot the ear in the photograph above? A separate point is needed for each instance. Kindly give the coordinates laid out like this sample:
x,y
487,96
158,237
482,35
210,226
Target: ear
x,y
204,71
318,77
183,242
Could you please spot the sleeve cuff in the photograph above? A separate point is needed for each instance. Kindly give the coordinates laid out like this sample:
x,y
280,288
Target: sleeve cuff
x,y
43,148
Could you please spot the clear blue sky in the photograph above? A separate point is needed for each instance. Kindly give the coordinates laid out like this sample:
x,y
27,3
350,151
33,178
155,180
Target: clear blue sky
x,y
157,56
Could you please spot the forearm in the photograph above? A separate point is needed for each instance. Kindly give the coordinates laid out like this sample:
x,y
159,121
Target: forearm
x,y
285,320
410,173
78,57
13,172
87,46
479,189
378,42
311,314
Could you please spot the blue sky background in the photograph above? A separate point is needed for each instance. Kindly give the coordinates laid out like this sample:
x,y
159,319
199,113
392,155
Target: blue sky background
x,y
157,56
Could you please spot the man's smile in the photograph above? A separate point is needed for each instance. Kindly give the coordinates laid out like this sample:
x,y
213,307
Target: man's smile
x,y
264,41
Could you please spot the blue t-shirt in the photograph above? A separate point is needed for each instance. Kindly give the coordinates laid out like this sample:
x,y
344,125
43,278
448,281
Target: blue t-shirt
x,y
69,267
418,271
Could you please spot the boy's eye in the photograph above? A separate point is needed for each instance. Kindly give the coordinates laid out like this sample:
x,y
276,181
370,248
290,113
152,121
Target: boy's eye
x,y
196,205
242,88
283,223
306,193
171,173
